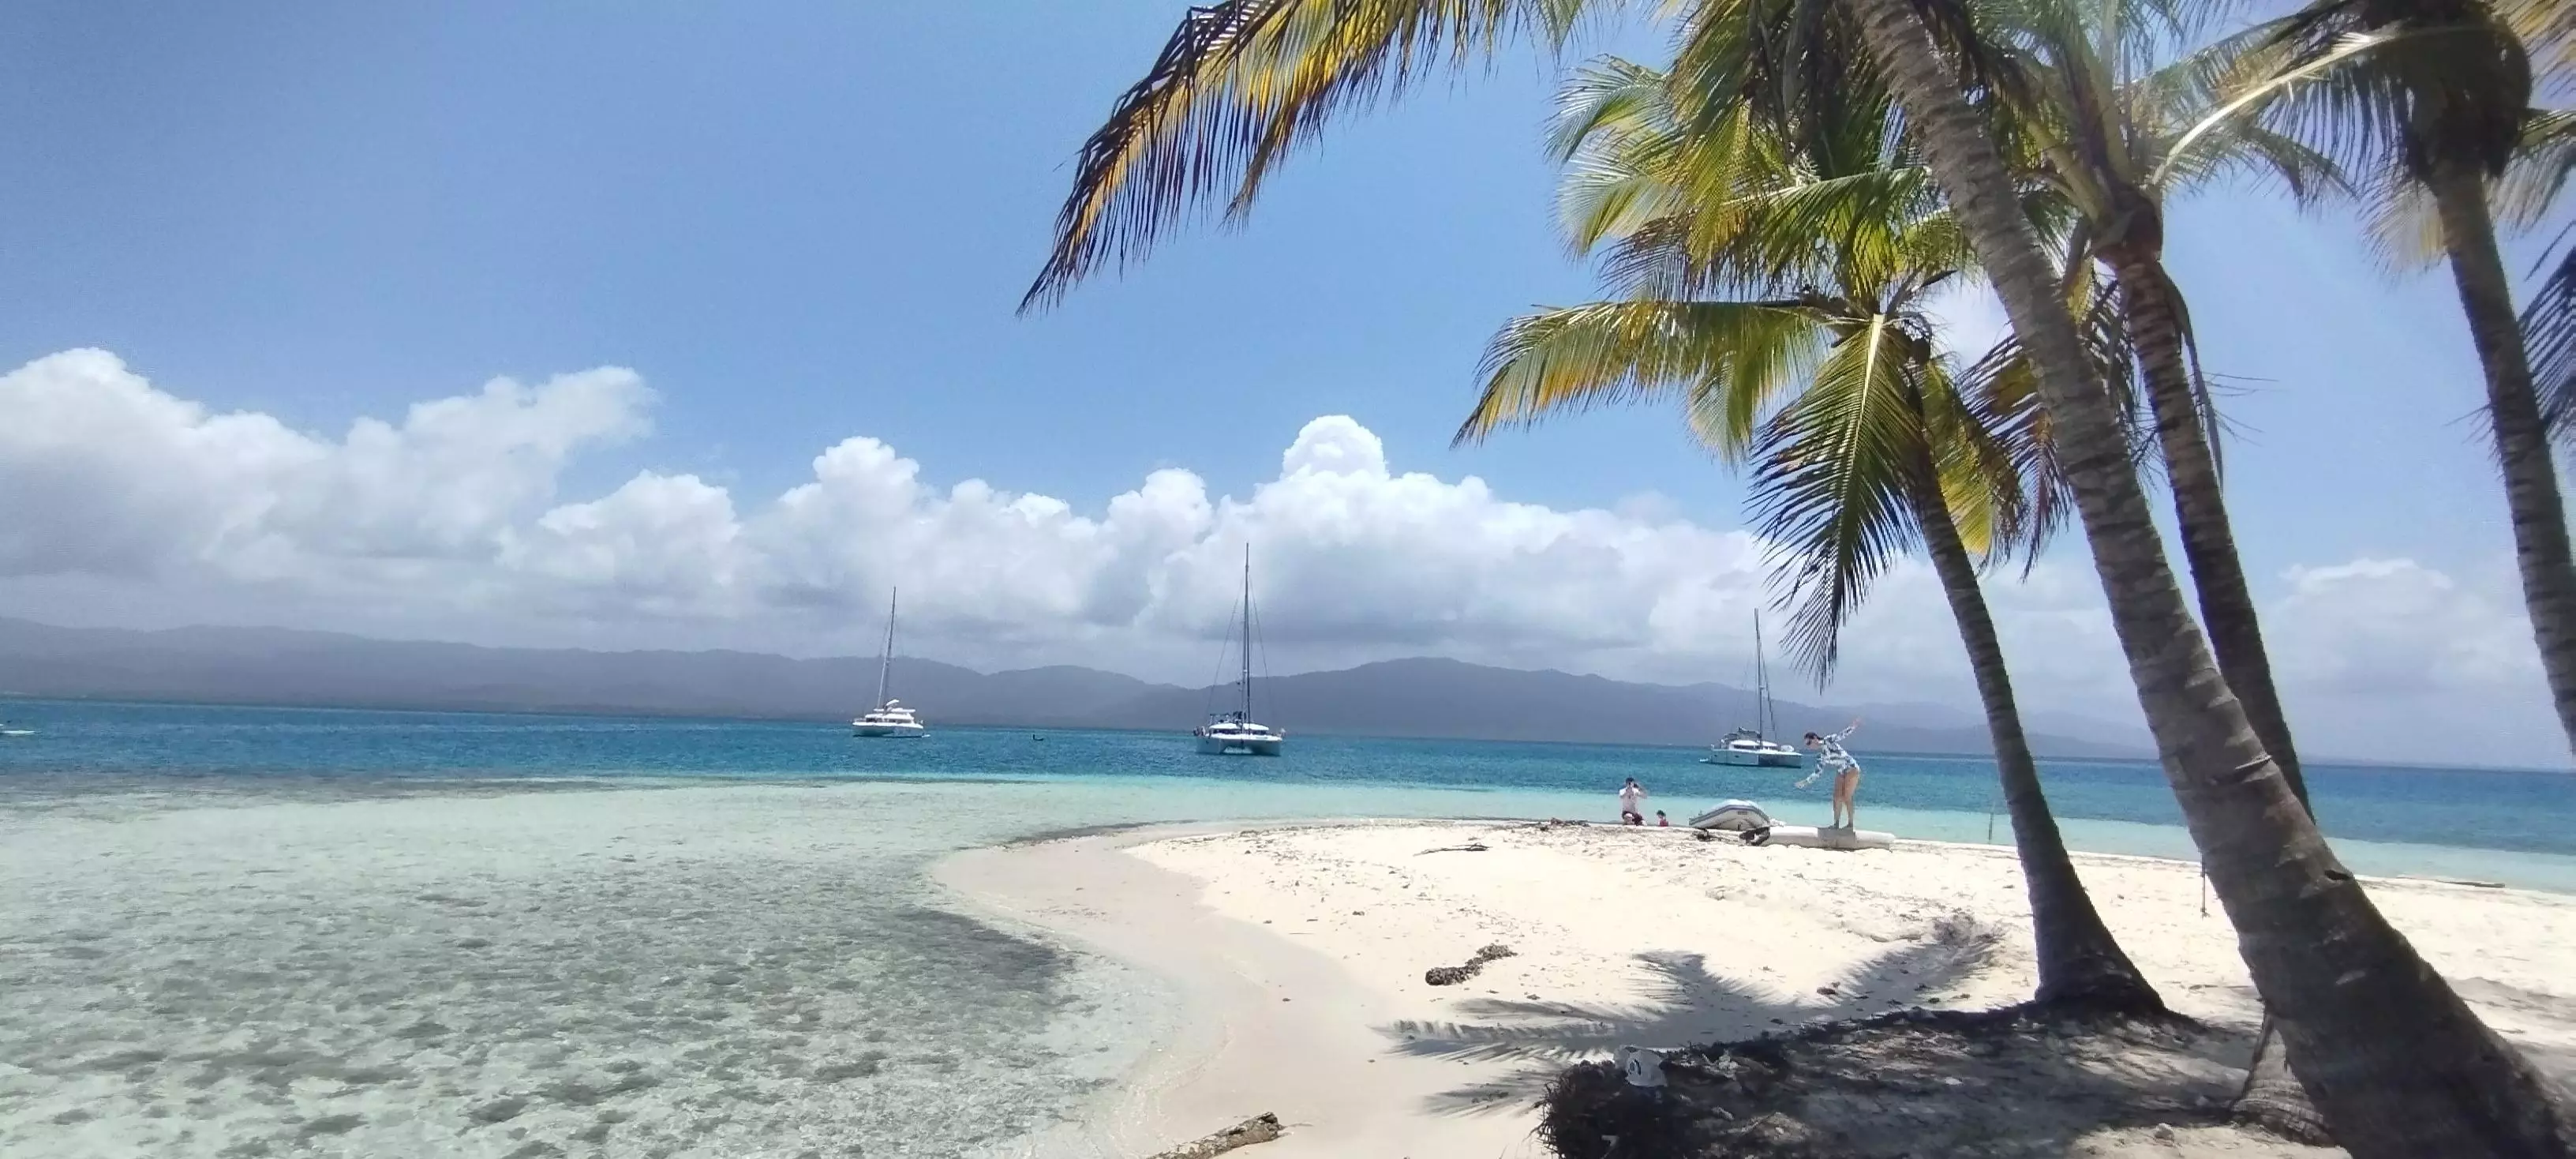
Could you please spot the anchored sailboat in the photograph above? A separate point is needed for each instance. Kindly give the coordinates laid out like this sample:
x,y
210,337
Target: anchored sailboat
x,y
1235,734
889,717
1747,747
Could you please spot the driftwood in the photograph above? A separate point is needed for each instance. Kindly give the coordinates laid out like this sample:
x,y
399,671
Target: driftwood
x,y
1470,847
1260,1128
1452,975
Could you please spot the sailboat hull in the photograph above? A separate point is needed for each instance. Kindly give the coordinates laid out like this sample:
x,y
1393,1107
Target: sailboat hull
x,y
1745,760
1217,746
888,730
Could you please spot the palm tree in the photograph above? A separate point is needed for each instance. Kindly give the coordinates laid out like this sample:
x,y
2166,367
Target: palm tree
x,y
1875,444
2395,1060
2368,1024
2438,93
2104,120
2103,123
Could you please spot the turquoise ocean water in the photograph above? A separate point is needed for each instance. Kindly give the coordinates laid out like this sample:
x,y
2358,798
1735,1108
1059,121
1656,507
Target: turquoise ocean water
x,y
472,958
2516,826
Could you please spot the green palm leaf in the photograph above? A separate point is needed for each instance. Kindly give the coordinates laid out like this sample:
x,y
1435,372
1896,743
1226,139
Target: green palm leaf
x,y
1829,483
1728,360
1236,87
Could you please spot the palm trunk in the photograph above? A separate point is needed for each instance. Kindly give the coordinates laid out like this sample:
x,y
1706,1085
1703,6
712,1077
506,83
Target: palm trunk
x,y
2272,1098
2522,440
2080,963
2396,1061
2154,317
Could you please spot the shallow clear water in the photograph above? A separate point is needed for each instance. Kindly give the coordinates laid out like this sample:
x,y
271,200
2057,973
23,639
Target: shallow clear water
x,y
242,932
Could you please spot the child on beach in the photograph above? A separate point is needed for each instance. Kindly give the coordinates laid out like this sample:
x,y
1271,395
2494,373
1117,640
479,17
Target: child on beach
x,y
1632,803
1661,821
1832,758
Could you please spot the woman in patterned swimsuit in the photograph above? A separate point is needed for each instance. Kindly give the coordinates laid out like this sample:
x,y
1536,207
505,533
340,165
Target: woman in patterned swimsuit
x,y
1831,758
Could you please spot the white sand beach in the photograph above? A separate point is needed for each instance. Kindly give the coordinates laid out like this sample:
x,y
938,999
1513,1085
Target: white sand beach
x,y
1301,951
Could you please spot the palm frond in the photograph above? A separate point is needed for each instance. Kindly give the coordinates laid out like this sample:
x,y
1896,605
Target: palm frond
x,y
2523,197
1980,481
2406,230
2548,30
2549,334
2002,390
1729,210
1629,163
1609,96
2405,226
1829,484
2371,84
2251,152
2000,395
1240,84
1864,229
1728,360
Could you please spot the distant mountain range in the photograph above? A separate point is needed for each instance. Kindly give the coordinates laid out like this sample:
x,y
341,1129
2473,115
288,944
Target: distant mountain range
x,y
1395,698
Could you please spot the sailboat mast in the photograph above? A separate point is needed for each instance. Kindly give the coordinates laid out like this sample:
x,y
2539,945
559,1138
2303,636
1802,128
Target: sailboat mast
x,y
885,659
1247,631
1763,716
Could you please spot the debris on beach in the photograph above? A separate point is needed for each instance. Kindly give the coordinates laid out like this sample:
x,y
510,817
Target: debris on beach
x,y
1452,975
1261,1128
1470,847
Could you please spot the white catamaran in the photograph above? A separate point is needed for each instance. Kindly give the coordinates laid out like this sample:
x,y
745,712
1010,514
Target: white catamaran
x,y
1746,747
890,717
1234,733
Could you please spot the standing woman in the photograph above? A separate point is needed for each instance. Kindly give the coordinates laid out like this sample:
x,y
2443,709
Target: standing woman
x,y
1831,758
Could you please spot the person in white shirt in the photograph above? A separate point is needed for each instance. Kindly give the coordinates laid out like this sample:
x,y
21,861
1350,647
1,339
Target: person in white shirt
x,y
1632,803
1832,758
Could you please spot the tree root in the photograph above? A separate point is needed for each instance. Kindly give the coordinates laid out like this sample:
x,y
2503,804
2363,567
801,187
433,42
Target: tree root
x,y
2273,1101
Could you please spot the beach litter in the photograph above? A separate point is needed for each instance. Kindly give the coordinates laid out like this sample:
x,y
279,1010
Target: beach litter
x,y
1452,975
1261,1128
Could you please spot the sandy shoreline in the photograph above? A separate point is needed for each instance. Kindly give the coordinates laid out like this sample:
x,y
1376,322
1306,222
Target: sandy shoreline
x,y
1300,950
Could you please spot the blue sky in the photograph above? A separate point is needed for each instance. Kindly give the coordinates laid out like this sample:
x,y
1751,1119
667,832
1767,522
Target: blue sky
x,y
804,222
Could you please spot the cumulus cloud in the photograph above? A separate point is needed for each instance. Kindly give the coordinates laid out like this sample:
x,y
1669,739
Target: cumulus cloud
x,y
448,523
106,474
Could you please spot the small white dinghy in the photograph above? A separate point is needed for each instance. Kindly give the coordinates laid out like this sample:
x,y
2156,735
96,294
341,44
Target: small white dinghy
x,y
1810,837
1733,817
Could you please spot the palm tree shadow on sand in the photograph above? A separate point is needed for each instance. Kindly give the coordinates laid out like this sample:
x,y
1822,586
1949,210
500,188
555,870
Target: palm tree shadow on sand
x,y
1685,1003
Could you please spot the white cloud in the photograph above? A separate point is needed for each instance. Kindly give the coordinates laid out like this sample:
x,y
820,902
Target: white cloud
x,y
667,544
2390,628
103,473
448,524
